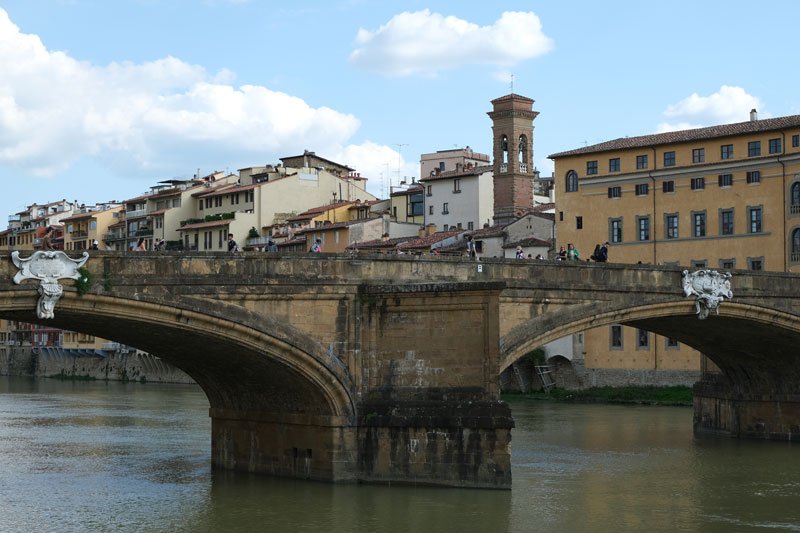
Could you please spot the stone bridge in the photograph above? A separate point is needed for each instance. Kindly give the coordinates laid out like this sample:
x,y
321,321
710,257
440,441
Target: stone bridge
x,y
385,369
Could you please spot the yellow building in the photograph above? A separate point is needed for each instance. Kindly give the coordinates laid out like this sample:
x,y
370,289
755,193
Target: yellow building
x,y
89,225
723,197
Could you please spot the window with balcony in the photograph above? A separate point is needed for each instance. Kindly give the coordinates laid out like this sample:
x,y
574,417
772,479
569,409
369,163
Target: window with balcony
x,y
699,224
615,337
571,181
643,224
795,254
726,151
754,216
671,226
615,230
726,222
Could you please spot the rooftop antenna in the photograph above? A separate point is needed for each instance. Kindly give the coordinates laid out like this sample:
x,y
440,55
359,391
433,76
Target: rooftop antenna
x,y
512,83
399,160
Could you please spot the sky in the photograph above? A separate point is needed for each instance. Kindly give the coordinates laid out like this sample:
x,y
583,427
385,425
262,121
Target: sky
x,y
100,100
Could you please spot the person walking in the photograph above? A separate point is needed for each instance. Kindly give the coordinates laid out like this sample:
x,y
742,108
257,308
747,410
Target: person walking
x,y
596,254
562,254
140,246
471,247
604,253
316,247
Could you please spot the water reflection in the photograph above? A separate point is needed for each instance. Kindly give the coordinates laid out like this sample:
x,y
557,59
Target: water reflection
x,y
95,456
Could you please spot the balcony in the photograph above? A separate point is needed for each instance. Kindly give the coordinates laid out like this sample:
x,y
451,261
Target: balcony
x,y
80,234
795,209
523,168
794,257
503,167
136,214
14,218
111,237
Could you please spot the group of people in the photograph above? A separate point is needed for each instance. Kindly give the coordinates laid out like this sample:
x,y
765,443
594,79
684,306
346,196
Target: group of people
x,y
600,254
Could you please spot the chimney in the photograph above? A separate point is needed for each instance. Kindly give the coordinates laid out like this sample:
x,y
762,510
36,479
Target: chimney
x,y
753,115
430,229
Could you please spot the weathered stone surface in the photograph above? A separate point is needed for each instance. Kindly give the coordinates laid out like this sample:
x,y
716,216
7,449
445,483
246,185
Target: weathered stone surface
x,y
295,352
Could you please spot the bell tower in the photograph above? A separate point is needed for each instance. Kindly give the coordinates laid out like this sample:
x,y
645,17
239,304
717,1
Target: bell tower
x,y
512,125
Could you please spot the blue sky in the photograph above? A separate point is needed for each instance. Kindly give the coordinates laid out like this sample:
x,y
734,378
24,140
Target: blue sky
x,y
101,99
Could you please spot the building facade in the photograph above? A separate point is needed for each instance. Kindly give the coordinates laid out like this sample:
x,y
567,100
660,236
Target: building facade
x,y
724,197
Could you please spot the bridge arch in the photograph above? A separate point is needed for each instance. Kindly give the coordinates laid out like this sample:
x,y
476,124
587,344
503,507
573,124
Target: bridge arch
x,y
755,347
244,362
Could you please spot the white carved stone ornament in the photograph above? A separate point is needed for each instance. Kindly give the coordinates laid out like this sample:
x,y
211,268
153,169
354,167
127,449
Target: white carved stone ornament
x,y
710,288
48,267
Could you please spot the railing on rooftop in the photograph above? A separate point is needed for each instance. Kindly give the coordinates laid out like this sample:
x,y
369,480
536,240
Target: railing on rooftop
x,y
14,218
136,214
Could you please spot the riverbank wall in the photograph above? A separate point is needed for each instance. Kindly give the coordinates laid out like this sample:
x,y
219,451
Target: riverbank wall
x,y
117,365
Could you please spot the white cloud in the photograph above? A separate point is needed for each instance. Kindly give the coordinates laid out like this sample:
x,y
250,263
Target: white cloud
x,y
382,165
425,43
726,106
150,118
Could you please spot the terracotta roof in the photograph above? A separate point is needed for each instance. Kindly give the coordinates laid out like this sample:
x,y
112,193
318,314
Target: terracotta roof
x,y
335,225
491,231
201,225
380,244
311,213
698,134
427,241
474,171
226,189
530,241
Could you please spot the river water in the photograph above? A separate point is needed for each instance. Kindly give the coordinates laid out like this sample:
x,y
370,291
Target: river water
x,y
108,456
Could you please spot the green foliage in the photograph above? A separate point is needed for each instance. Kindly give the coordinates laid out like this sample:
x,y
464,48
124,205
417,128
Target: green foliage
x,y
253,233
676,395
84,283
537,357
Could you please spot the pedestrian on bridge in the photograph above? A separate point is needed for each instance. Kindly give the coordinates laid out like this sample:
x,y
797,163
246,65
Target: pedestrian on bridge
x,y
572,253
233,246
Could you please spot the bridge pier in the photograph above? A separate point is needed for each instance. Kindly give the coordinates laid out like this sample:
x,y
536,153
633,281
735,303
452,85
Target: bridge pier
x,y
718,410
456,444
321,448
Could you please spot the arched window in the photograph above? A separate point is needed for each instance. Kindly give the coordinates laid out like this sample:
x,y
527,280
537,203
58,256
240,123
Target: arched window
x,y
504,148
795,196
795,257
572,181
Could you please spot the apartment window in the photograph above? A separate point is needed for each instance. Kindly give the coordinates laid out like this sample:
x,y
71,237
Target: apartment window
x,y
615,230
234,198
699,224
754,176
795,141
613,164
591,168
642,339
208,203
726,222
221,236
795,257
671,225
429,190
441,166
699,155
616,337
457,185
615,192
754,149
726,151
669,159
698,184
775,146
755,263
642,189
445,208
643,224
754,215
668,186
218,201
641,161
727,264
416,204
672,344
698,264
430,209
200,204
578,222
470,226
725,180
572,181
